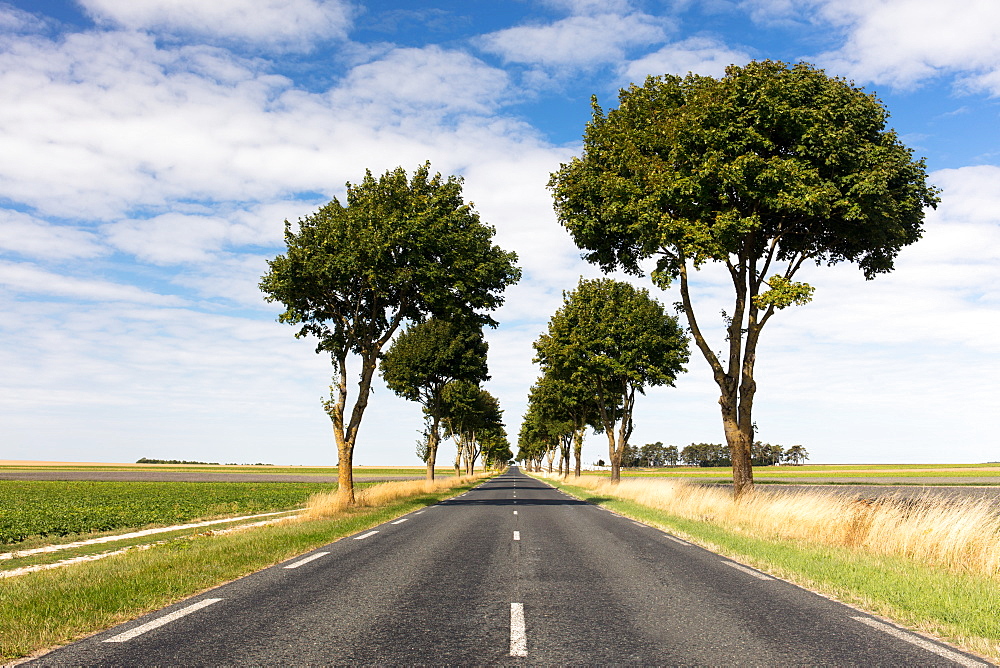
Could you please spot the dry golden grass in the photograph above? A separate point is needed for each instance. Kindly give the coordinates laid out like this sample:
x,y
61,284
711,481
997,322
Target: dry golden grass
x,y
328,504
959,535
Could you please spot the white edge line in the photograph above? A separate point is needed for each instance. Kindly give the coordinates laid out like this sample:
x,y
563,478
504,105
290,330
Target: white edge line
x,y
960,659
517,535
418,512
302,562
166,619
675,539
518,638
748,571
365,535
400,521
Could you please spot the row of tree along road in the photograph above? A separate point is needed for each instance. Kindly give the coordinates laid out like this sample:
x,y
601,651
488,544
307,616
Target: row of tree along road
x,y
762,171
657,455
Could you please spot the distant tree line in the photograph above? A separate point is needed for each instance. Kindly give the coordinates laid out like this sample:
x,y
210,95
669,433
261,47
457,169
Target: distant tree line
x,y
655,455
147,460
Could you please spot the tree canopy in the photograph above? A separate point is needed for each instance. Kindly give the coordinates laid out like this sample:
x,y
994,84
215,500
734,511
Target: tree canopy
x,y
401,249
615,338
427,356
763,170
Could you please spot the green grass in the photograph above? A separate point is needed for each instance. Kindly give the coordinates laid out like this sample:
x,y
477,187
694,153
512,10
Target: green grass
x,y
30,508
365,472
49,608
962,609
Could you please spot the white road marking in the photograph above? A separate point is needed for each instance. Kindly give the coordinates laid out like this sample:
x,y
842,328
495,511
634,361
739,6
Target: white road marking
x,y
638,524
920,642
400,521
135,534
166,619
518,639
748,571
312,557
676,540
517,535
515,512
365,535
418,512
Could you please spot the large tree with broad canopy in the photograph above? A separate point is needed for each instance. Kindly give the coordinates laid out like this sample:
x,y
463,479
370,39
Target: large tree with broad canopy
x,y
763,170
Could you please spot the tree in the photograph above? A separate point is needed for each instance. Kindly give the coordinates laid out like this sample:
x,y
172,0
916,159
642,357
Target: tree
x,y
426,357
469,412
671,455
768,168
567,408
401,250
617,339
796,455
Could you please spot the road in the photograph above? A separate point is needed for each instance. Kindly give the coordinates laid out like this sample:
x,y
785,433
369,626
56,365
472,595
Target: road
x,y
511,572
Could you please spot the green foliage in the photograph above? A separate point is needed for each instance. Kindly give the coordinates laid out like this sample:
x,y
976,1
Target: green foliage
x,y
401,249
769,157
613,337
428,355
59,508
468,408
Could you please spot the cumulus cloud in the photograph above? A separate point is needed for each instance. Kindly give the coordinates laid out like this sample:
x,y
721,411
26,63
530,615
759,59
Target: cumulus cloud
x,y
29,279
904,42
429,78
282,24
698,55
576,41
31,237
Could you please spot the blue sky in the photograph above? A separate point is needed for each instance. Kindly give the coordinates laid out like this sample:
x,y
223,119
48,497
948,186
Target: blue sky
x,y
150,152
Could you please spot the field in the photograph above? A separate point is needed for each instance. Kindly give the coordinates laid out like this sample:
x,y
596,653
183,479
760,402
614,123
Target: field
x,y
59,508
883,474
360,472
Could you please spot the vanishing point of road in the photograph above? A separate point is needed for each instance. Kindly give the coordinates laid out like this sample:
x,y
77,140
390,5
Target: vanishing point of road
x,y
511,572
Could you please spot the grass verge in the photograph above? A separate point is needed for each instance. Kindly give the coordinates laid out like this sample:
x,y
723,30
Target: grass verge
x,y
960,608
49,608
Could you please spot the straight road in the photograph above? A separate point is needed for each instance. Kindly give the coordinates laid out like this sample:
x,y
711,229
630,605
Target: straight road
x,y
512,572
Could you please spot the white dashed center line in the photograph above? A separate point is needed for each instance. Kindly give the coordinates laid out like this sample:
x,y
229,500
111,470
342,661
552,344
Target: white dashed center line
x,y
312,557
365,535
518,639
515,512
517,535
920,642
166,619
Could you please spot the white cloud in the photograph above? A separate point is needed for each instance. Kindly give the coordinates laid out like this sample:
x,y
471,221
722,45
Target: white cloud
x,y
13,19
698,55
904,42
431,78
28,279
31,237
283,24
576,41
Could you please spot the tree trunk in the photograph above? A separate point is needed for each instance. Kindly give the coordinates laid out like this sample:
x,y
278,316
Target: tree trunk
x,y
577,450
432,451
345,468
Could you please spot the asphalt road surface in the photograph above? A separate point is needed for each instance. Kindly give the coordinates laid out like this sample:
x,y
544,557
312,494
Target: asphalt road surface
x,y
512,572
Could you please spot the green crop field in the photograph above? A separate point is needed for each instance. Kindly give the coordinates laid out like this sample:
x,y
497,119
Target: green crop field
x,y
30,508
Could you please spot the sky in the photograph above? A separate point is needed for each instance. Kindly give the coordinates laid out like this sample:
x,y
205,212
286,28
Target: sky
x,y
151,151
